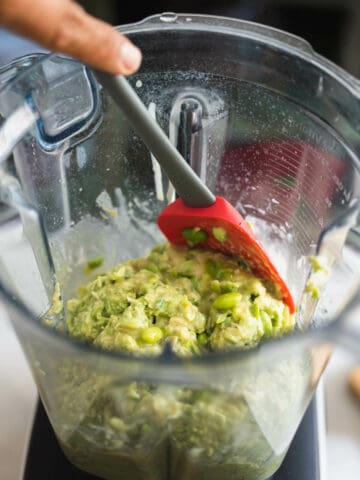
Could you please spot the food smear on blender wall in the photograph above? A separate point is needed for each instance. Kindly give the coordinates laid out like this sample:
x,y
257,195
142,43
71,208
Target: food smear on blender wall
x,y
318,277
193,299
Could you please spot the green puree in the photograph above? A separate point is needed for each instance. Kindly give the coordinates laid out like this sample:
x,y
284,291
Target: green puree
x,y
195,300
192,301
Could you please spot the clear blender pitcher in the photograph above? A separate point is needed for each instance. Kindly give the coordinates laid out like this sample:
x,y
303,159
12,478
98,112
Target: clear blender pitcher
x,y
266,123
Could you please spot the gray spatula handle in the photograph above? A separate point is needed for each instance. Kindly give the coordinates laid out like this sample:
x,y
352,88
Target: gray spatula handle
x,y
187,184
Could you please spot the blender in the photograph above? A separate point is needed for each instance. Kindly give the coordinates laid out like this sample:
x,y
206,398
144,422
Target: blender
x,y
266,123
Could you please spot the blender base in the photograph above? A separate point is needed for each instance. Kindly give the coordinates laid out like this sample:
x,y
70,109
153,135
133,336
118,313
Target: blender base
x,y
305,458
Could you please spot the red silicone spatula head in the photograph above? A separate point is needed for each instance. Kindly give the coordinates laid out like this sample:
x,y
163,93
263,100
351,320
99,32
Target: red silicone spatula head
x,y
199,218
222,228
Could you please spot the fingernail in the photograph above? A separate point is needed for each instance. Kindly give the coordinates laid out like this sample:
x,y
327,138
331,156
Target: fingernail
x,y
130,56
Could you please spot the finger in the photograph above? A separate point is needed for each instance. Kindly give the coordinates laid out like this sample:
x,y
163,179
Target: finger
x,y
63,26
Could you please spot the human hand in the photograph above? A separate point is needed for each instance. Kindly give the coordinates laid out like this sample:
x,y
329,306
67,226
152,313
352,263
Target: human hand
x,y
63,26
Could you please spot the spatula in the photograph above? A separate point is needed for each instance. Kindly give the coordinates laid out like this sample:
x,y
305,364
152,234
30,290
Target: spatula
x,y
197,217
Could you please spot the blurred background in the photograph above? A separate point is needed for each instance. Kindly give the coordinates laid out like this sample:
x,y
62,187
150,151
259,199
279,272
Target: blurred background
x,y
331,26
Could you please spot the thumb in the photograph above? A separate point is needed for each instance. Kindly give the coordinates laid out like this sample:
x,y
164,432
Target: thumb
x,y
64,27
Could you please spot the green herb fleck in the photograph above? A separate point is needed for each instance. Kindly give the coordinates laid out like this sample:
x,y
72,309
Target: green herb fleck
x,y
243,263
220,234
195,235
94,263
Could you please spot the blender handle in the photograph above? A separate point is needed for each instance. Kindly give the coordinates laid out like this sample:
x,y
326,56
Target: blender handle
x,y
15,127
187,184
12,131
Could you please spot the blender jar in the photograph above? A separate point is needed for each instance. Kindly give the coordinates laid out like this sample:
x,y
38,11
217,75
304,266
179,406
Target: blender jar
x,y
268,124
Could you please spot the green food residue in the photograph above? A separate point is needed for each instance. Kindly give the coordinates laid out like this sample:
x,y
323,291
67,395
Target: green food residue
x,y
319,275
93,264
220,234
57,304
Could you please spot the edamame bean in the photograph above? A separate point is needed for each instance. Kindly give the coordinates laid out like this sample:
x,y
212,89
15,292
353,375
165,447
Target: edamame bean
x,y
152,335
227,300
194,235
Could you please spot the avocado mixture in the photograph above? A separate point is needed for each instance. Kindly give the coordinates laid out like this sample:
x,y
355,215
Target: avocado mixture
x,y
194,300
191,301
